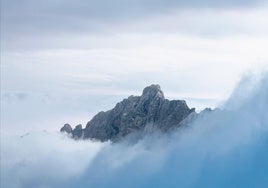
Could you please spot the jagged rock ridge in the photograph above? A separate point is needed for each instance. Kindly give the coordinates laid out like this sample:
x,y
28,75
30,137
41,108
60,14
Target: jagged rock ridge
x,y
146,113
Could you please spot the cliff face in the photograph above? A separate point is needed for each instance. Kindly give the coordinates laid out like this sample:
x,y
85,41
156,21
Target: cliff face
x,y
146,113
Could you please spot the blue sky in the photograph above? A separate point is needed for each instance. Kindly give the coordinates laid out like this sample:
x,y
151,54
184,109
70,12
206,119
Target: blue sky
x,y
80,57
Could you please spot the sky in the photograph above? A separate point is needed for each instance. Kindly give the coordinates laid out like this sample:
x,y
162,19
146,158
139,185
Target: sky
x,y
64,61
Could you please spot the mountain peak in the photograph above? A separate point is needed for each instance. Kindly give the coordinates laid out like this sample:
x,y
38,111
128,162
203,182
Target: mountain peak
x,y
153,90
137,116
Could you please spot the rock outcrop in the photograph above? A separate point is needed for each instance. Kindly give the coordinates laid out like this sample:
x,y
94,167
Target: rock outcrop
x,y
78,132
66,128
146,113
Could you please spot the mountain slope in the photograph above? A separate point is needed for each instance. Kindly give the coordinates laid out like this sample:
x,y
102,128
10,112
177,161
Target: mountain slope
x,y
146,113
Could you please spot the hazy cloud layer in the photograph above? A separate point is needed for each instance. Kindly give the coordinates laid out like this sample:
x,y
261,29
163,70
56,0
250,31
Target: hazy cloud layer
x,y
65,14
53,24
75,84
221,149
42,159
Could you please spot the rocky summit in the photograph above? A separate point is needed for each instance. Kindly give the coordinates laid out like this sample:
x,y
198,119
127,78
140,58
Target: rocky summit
x,y
149,112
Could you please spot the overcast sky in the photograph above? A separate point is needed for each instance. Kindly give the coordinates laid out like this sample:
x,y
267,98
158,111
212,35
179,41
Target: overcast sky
x,y
87,54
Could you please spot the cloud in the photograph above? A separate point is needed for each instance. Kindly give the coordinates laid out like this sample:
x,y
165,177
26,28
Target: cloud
x,y
207,22
176,62
221,149
66,12
56,24
43,159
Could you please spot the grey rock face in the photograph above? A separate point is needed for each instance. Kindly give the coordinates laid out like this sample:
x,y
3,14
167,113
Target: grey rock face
x,y
137,114
78,132
146,113
66,128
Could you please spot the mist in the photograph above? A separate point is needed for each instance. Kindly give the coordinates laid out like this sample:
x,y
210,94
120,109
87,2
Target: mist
x,y
225,148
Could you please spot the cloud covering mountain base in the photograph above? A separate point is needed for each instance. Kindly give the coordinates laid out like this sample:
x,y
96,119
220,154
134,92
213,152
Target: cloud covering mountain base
x,y
225,148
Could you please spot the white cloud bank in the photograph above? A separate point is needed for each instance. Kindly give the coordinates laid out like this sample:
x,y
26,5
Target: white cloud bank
x,y
223,149
42,159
